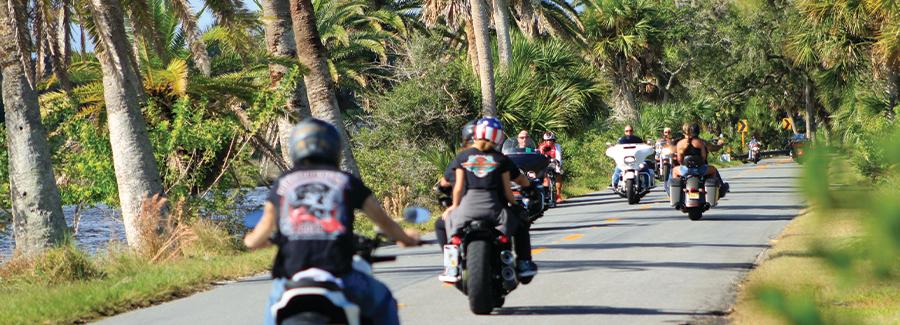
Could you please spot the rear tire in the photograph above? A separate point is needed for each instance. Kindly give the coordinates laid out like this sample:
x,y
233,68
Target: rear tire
x,y
552,184
695,214
308,318
480,277
630,192
666,172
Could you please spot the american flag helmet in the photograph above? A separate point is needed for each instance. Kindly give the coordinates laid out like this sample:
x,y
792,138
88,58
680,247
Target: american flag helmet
x,y
489,128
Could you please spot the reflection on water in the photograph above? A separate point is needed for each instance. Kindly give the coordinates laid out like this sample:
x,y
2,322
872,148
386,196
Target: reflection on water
x,y
100,224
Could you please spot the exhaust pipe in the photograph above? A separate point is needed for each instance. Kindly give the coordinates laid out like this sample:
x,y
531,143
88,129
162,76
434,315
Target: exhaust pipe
x,y
507,258
509,278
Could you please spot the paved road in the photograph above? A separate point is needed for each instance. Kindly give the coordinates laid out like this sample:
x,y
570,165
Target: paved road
x,y
601,262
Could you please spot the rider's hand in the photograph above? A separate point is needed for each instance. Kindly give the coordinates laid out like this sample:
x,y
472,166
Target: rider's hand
x,y
411,240
447,212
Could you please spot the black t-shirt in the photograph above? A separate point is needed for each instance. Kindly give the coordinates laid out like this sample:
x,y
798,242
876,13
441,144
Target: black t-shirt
x,y
314,225
630,139
484,170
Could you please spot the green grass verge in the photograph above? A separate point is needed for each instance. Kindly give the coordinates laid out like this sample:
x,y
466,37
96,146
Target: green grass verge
x,y
793,267
126,283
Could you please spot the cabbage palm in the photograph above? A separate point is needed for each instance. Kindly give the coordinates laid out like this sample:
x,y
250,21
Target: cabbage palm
x,y
622,37
555,17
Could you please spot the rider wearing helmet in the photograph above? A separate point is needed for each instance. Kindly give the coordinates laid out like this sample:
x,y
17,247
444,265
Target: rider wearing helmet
x,y
553,150
482,192
309,216
445,184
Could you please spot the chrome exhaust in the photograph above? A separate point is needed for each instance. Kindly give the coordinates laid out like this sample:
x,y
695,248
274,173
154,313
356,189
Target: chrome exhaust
x,y
507,258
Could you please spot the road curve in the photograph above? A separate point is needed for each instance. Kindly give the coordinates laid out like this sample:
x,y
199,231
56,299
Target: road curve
x,y
601,262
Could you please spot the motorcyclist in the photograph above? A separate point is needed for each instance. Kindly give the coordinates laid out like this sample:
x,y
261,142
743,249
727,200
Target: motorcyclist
x,y
309,217
482,192
553,150
628,138
449,179
694,147
524,142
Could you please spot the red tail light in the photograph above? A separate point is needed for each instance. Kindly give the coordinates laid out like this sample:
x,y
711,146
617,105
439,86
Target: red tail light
x,y
503,239
455,240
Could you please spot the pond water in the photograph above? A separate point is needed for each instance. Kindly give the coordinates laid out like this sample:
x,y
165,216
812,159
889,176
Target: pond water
x,y
100,224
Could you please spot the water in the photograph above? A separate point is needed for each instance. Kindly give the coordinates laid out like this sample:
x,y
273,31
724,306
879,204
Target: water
x,y
100,224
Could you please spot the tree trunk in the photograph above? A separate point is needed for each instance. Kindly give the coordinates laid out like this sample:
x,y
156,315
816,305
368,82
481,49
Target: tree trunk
x,y
501,24
192,36
38,219
624,106
83,40
471,50
793,123
480,21
810,108
280,43
319,86
136,40
59,66
137,175
37,27
526,21
64,33
23,41
893,92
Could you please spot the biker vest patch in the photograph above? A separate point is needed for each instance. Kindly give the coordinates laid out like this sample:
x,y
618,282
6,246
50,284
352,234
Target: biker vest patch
x,y
480,165
312,205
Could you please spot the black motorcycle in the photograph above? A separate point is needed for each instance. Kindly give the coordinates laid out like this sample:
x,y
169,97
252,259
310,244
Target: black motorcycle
x,y
314,296
694,193
487,265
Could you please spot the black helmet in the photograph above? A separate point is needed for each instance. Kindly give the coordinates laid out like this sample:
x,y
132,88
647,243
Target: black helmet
x,y
468,131
316,140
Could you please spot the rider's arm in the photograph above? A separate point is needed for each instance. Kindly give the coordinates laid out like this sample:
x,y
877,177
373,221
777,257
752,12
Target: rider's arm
x,y
390,228
458,187
259,236
507,190
444,182
558,153
521,180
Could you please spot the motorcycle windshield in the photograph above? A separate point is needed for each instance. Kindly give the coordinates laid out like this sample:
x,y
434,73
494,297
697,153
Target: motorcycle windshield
x,y
515,146
530,162
629,156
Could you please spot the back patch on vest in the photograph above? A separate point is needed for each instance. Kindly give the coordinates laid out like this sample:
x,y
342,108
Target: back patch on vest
x,y
312,206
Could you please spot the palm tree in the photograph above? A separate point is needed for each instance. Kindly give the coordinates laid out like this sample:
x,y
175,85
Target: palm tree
x,y
319,84
622,37
37,211
136,170
501,25
480,21
280,43
192,35
555,17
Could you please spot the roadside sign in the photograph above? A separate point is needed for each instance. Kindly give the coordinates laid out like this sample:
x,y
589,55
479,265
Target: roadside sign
x,y
786,123
743,126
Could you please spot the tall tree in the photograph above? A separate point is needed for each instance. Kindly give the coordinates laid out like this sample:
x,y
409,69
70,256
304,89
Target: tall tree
x,y
319,85
280,43
480,22
501,25
37,212
137,175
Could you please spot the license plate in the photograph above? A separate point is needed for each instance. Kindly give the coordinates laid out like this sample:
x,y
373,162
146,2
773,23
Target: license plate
x,y
693,195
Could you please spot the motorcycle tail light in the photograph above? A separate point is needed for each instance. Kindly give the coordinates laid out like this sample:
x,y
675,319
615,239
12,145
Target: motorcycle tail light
x,y
503,239
455,240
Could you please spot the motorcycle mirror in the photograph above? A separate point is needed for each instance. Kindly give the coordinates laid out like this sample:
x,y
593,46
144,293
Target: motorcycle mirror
x,y
416,215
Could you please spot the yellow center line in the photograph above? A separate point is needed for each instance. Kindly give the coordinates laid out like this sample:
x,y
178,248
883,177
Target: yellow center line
x,y
538,250
612,219
645,206
400,306
573,237
445,285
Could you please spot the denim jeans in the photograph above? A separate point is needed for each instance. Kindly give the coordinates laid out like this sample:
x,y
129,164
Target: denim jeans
x,y
700,171
374,299
617,174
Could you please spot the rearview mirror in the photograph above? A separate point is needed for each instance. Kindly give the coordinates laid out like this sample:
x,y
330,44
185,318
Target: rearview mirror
x,y
416,215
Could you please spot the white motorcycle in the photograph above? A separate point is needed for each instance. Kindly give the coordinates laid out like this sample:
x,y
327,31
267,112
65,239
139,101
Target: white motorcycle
x,y
637,178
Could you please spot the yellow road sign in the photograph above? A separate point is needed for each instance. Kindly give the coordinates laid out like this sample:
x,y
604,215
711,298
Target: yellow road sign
x,y
743,126
786,123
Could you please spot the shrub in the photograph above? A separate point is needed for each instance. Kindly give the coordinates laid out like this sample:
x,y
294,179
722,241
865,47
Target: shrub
x,y
56,265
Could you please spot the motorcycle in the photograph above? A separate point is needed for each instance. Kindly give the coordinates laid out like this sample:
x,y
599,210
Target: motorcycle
x,y
637,178
664,163
536,198
695,193
315,296
486,265
754,155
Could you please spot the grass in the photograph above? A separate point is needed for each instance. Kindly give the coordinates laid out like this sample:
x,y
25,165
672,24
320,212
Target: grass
x,y
66,285
794,268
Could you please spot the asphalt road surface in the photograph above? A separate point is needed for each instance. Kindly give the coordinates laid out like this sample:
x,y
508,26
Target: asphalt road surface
x,y
601,262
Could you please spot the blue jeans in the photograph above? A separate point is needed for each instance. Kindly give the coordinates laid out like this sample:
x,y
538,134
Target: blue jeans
x,y
617,174
699,171
374,299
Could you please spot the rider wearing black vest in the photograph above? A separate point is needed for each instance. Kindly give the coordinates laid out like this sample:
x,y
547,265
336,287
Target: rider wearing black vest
x,y
309,216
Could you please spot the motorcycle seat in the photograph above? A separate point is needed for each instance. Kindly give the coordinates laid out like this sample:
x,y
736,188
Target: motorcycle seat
x,y
309,283
480,225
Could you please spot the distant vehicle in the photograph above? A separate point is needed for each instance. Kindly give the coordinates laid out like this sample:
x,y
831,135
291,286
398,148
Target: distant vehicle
x,y
798,147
